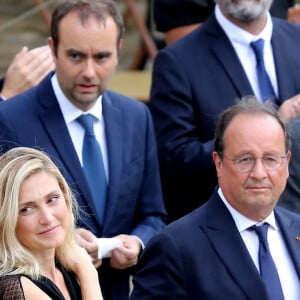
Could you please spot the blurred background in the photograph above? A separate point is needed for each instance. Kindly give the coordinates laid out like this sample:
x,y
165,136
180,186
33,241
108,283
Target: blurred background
x,y
22,23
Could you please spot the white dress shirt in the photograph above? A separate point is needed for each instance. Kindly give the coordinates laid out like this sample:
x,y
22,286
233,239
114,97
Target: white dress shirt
x,y
71,113
285,268
240,40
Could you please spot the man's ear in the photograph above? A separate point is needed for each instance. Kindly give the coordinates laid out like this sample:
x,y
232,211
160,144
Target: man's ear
x,y
218,162
51,45
120,46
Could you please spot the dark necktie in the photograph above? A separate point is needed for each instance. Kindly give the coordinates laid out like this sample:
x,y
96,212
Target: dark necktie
x,y
264,83
267,266
93,166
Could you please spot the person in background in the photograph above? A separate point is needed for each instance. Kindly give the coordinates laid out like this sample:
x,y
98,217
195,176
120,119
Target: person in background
x,y
290,198
198,77
39,257
176,18
216,252
286,9
26,70
102,141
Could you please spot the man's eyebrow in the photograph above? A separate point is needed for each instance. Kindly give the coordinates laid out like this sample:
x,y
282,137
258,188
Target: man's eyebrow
x,y
71,50
104,52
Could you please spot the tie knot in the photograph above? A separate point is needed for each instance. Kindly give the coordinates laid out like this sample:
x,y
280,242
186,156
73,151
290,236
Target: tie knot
x,y
258,48
86,121
261,231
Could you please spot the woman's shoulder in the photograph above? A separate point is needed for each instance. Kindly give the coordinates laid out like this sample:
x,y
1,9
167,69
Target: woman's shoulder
x,y
11,287
20,287
31,290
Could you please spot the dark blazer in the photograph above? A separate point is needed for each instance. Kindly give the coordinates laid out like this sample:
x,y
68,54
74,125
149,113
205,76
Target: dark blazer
x,y
290,198
134,204
194,80
202,256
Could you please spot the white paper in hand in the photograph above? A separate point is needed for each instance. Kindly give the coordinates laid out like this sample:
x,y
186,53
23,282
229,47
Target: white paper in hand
x,y
106,245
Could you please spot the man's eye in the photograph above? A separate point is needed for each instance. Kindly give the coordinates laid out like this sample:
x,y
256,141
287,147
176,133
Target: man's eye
x,y
75,56
245,160
271,159
103,56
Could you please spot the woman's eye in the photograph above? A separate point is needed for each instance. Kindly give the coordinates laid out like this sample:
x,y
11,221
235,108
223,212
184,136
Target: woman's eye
x,y
52,199
26,210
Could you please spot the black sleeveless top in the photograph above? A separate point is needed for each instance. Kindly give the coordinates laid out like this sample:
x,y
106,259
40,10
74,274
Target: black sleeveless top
x,y
11,287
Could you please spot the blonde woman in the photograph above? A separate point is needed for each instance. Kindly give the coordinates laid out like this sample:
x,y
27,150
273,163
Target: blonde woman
x,y
39,257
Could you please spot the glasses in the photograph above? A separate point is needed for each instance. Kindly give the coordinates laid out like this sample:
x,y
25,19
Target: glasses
x,y
246,163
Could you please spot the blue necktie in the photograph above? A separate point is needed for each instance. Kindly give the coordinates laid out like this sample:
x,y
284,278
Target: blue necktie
x,y
267,266
264,83
93,166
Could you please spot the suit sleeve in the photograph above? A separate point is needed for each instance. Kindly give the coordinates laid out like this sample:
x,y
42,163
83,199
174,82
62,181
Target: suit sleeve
x,y
8,139
151,214
160,272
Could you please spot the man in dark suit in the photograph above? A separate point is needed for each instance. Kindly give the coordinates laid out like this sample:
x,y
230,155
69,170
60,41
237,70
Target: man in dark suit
x,y
214,252
202,74
85,39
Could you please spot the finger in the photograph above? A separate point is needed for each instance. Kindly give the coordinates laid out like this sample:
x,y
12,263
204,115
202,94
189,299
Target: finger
x,y
42,69
85,234
97,263
22,52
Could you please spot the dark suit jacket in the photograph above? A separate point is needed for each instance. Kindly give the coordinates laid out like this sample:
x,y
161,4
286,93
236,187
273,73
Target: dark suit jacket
x,y
202,256
134,204
290,198
194,80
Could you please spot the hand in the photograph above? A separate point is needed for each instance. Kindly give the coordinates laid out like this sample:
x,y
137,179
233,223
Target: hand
x,y
86,240
79,261
290,108
293,14
127,255
26,70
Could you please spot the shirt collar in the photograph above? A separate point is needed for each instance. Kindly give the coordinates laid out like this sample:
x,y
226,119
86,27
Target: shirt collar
x,y
241,221
239,35
71,112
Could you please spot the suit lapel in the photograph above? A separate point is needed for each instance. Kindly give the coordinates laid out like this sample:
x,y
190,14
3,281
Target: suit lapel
x,y
291,234
281,49
224,52
115,141
230,247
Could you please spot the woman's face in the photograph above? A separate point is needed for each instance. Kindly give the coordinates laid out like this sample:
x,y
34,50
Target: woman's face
x,y
43,219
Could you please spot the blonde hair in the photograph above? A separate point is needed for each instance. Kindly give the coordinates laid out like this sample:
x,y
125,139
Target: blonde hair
x,y
16,166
